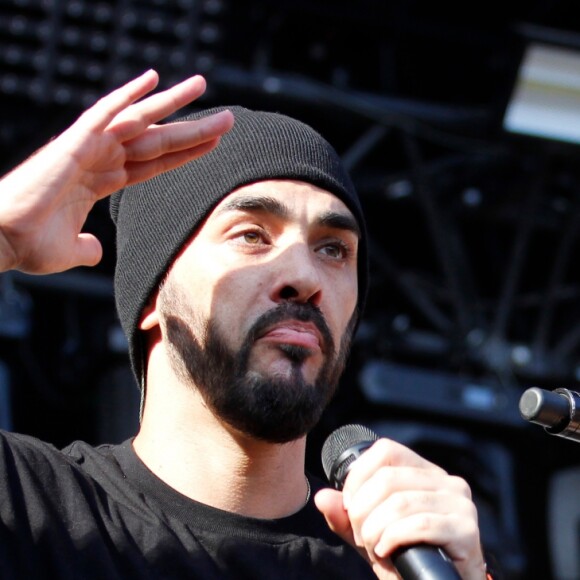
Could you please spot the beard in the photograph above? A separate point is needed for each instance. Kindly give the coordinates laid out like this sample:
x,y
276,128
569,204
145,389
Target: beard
x,y
267,406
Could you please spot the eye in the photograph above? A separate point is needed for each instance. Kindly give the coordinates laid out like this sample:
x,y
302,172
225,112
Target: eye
x,y
338,250
252,238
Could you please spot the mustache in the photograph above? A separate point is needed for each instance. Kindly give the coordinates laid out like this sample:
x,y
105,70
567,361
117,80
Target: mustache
x,y
293,311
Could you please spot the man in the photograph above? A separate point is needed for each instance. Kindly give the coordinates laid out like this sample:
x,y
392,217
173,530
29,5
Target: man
x,y
241,273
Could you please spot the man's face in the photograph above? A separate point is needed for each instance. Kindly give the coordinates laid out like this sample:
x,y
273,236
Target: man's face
x,y
257,310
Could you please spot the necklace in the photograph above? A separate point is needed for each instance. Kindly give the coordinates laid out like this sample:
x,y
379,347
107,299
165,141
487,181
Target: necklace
x,y
308,490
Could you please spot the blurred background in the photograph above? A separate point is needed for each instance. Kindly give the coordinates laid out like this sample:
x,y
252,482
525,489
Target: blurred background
x,y
459,125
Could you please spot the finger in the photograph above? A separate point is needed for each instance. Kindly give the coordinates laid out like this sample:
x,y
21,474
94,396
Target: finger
x,y
407,504
396,492
384,489
388,481
382,453
135,119
329,503
137,172
459,537
87,251
162,139
100,115
105,183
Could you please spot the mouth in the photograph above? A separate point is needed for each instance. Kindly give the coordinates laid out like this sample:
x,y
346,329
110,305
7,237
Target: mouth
x,y
294,333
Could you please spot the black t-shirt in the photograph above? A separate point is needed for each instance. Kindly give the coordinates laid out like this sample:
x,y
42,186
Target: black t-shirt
x,y
98,512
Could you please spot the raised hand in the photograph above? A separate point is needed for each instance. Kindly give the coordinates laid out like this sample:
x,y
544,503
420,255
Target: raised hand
x,y
44,202
392,497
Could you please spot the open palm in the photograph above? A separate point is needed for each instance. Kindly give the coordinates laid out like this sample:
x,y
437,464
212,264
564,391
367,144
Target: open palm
x,y
45,201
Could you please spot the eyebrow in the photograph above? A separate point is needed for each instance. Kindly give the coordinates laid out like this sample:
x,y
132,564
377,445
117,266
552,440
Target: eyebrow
x,y
252,203
330,219
340,221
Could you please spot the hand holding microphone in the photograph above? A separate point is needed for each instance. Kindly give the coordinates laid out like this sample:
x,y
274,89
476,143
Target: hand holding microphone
x,y
402,512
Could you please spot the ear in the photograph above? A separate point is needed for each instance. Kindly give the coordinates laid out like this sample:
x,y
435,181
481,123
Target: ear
x,y
150,315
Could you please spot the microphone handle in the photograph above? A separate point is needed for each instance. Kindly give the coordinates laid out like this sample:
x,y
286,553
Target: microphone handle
x,y
424,562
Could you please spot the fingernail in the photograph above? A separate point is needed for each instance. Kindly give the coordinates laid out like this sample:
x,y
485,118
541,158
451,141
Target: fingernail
x,y
346,498
379,550
382,548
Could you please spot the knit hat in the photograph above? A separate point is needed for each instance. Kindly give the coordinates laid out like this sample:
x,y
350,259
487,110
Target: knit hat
x,y
155,218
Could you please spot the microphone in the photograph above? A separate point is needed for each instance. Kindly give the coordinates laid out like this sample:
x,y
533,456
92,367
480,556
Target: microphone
x,y
342,447
558,411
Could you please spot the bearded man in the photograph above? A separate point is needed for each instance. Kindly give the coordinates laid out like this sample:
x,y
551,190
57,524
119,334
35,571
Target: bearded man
x,y
241,275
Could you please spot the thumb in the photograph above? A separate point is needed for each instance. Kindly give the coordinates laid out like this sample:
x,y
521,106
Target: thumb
x,y
87,251
329,503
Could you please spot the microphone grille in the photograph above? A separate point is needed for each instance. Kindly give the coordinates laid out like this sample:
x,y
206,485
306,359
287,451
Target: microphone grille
x,y
342,439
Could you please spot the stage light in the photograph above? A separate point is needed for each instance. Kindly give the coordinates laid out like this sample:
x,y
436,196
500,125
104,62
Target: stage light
x,y
70,53
545,102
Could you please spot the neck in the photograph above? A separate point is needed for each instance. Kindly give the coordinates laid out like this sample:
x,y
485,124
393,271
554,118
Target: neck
x,y
192,451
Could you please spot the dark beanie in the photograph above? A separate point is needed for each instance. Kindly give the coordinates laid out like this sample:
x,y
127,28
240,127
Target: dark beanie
x,y
155,218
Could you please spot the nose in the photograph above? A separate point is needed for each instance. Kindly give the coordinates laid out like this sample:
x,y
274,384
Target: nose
x,y
297,277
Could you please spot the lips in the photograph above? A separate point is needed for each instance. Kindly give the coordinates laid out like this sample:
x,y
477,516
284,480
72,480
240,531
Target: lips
x,y
295,333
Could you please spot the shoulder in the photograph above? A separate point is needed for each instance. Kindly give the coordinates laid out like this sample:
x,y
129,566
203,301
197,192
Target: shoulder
x,y
17,449
24,455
